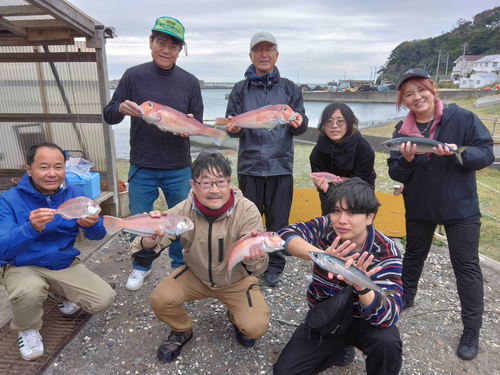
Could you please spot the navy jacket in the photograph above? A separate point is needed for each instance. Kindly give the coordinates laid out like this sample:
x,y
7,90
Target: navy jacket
x,y
53,248
261,152
439,189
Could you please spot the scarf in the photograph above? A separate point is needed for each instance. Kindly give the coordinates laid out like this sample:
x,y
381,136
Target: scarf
x,y
410,129
341,153
213,214
251,75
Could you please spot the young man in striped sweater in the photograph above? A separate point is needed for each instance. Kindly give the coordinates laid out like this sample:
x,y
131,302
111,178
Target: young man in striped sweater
x,y
348,233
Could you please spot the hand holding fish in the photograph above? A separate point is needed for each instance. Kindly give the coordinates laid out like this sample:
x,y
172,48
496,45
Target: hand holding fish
x,y
254,254
183,134
129,108
322,179
297,121
149,242
445,151
88,221
41,217
231,127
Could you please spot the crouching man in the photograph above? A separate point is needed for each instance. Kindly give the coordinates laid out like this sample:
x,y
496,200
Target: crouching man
x,y
37,252
221,216
368,318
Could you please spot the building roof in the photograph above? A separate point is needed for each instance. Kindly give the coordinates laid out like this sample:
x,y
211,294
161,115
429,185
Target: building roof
x,y
469,58
489,58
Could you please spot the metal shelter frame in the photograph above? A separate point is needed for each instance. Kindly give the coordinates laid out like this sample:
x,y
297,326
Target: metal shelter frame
x,y
42,25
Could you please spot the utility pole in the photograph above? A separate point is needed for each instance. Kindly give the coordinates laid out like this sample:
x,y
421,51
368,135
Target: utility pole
x,y
374,73
447,58
437,68
463,62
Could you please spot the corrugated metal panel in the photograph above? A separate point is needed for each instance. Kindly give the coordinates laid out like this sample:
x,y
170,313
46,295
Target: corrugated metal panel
x,y
33,88
7,3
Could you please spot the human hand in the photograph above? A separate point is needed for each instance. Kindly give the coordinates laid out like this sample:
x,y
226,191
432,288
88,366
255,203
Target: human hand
x,y
446,150
88,222
130,108
408,151
320,183
231,127
41,217
255,254
151,241
183,134
362,264
297,121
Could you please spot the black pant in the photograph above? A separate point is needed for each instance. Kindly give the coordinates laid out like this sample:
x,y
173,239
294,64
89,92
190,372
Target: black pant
x,y
463,243
273,196
303,355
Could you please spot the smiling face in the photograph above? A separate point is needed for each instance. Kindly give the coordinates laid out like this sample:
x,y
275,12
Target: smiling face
x,y
335,127
164,51
419,99
48,169
214,197
349,225
264,56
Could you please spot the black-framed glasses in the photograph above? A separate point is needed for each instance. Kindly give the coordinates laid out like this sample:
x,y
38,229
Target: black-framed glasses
x,y
205,185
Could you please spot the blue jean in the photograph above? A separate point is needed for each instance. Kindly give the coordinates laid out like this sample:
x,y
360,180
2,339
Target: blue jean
x,y
143,192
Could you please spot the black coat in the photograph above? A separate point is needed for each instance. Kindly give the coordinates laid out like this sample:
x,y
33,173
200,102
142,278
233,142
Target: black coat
x,y
439,189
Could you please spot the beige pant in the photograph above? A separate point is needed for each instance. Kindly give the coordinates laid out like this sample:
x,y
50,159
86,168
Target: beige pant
x,y
28,288
247,307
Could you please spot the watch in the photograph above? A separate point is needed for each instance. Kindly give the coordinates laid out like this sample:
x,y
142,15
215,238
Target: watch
x,y
364,291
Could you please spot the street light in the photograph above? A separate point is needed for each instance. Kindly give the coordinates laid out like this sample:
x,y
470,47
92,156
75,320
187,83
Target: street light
x,y
298,70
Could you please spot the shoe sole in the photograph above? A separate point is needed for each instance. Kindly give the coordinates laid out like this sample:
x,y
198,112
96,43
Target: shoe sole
x,y
173,359
32,359
140,286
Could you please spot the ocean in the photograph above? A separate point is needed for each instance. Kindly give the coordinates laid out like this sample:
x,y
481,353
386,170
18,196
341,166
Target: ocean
x,y
215,106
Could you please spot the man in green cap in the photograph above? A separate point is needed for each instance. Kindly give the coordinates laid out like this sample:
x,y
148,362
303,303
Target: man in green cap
x,y
157,159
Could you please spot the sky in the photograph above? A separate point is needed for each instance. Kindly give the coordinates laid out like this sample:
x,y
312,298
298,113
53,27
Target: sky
x,y
318,40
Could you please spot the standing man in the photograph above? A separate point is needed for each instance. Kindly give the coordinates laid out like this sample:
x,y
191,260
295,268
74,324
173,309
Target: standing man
x,y
157,159
265,158
37,253
221,216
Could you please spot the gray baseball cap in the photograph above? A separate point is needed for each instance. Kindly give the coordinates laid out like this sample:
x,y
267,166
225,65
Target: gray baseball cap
x,y
263,36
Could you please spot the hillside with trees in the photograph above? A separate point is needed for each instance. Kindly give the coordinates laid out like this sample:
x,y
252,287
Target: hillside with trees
x,y
482,36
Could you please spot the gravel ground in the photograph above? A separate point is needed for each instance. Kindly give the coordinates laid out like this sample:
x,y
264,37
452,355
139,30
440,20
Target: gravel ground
x,y
124,339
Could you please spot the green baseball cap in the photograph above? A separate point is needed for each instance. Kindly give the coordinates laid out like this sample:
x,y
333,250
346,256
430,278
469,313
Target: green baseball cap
x,y
171,26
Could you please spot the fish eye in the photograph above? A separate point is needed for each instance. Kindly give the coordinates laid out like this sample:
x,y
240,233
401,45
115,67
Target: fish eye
x,y
285,109
150,105
273,234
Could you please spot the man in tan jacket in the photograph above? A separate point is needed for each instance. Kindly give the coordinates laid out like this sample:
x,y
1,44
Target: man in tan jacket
x,y
221,216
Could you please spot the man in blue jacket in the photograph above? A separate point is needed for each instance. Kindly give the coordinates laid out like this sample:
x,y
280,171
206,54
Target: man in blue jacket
x,y
37,253
157,159
265,158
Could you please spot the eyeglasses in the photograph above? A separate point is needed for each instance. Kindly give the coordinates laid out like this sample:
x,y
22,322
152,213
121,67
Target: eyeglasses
x,y
266,50
330,124
205,185
171,47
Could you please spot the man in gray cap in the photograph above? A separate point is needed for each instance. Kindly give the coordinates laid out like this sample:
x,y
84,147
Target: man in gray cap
x,y
265,158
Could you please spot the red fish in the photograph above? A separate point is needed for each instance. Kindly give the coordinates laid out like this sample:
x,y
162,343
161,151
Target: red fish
x,y
145,225
267,117
268,241
169,120
79,207
329,177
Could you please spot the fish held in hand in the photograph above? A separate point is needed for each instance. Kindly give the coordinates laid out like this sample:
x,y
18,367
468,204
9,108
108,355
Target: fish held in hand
x,y
267,241
423,145
170,120
77,208
145,225
267,117
329,177
352,274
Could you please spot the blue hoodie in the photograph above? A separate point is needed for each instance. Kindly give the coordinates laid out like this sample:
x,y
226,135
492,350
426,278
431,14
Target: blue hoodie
x,y
53,248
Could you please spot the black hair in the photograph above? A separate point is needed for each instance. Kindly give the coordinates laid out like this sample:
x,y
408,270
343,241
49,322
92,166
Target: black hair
x,y
350,118
211,162
359,196
30,155
155,34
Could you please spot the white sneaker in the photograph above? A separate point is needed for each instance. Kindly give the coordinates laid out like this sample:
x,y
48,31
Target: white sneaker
x,y
30,344
136,279
68,308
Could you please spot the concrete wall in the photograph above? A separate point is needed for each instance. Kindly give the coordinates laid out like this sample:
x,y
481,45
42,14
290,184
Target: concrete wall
x,y
385,96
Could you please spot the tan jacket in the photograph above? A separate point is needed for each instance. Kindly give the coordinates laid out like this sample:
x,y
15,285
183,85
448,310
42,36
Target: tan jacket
x,y
206,247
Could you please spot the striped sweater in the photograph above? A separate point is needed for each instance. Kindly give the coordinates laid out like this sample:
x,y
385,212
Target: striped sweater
x,y
319,232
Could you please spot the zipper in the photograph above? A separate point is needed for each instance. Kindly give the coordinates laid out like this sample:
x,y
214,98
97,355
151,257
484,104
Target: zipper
x,y
210,222
221,250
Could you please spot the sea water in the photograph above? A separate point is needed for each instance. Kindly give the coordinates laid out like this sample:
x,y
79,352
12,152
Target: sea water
x,y
215,103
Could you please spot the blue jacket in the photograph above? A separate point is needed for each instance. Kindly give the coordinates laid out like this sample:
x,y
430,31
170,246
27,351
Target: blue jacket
x,y
439,189
21,245
261,152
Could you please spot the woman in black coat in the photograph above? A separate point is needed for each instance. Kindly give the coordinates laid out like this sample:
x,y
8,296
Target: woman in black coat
x,y
340,150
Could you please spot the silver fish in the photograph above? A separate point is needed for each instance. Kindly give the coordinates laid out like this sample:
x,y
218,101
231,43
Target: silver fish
x,y
423,145
76,208
145,225
354,275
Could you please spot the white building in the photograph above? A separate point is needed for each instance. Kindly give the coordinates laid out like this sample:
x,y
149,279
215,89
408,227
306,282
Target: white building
x,y
467,66
485,72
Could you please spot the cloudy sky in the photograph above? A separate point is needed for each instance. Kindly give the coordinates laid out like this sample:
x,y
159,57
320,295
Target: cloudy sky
x,y
319,40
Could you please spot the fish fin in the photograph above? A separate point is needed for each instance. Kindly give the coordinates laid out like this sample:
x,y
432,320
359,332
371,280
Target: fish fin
x,y
459,154
229,277
386,294
112,224
221,121
218,137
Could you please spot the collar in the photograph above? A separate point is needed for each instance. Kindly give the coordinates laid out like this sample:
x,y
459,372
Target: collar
x,y
213,214
162,72
410,129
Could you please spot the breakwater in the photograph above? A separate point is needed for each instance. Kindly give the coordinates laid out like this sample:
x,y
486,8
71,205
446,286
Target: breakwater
x,y
385,96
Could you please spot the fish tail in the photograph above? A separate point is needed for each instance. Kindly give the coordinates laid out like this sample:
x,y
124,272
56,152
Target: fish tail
x,y
229,277
459,154
386,294
112,224
218,136
221,121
